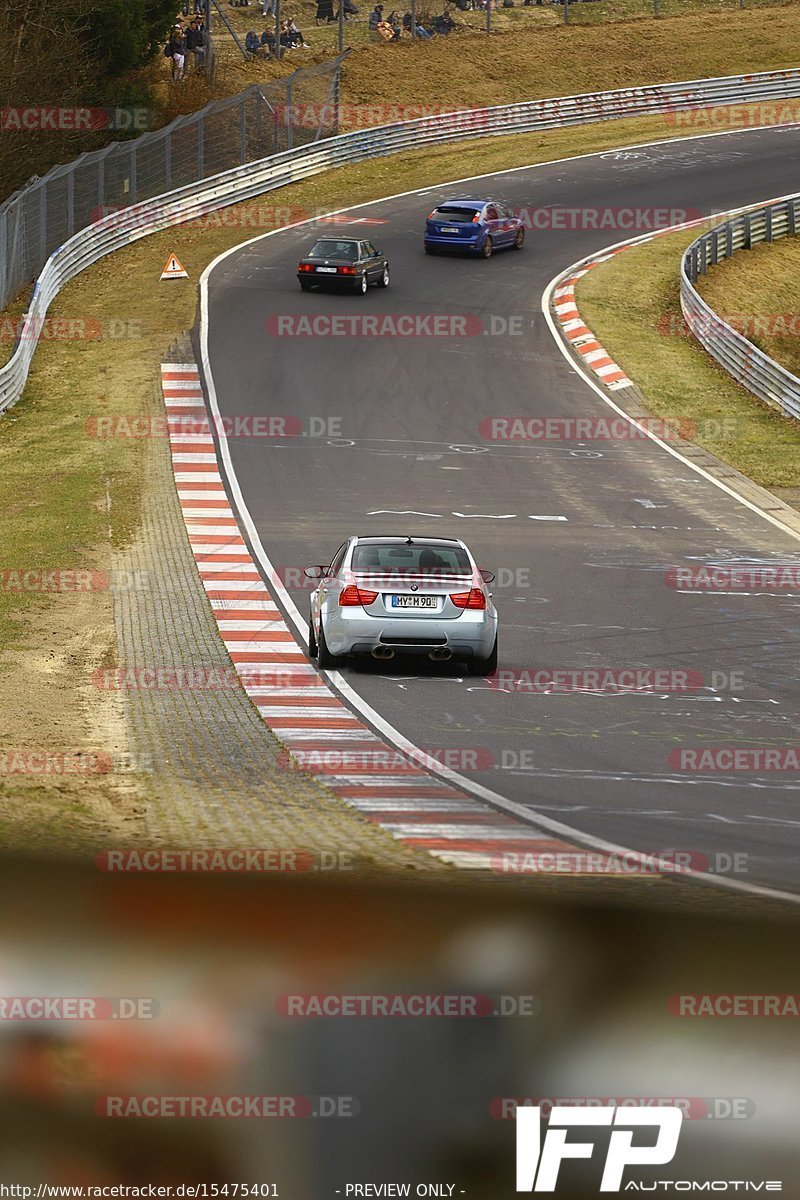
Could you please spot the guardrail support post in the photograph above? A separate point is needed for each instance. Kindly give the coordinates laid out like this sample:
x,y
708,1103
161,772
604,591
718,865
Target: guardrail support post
x,y
768,227
714,248
729,240
748,244
791,213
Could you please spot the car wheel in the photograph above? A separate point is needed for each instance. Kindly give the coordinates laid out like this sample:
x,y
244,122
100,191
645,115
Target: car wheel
x,y
384,279
483,666
312,640
325,660
362,285
487,248
305,285
519,240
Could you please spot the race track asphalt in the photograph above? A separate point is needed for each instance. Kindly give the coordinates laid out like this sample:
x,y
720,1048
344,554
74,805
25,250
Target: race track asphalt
x,y
586,591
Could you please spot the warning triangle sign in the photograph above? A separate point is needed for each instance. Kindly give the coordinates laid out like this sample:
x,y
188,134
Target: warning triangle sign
x,y
174,269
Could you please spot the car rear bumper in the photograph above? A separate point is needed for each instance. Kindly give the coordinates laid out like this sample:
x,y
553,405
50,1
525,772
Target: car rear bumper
x,y
472,634
346,282
455,243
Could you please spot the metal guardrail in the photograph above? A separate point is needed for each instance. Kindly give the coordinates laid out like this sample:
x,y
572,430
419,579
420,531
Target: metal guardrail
x,y
755,370
253,179
224,134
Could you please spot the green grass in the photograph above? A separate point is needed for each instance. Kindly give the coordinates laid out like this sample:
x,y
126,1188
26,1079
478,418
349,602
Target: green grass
x,y
759,291
631,302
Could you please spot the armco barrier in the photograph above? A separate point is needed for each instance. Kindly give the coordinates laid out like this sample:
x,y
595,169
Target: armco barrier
x,y
755,370
255,178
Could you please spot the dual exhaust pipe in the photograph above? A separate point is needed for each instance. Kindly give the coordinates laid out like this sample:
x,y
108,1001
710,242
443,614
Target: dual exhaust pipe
x,y
440,654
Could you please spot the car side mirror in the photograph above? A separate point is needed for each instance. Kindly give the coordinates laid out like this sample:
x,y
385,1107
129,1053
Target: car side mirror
x,y
315,572
486,575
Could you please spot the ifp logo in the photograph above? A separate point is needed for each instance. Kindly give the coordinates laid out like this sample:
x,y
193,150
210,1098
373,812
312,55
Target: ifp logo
x,y
538,1165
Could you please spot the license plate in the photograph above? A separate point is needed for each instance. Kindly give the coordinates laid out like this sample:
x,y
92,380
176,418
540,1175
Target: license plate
x,y
447,229
327,270
414,602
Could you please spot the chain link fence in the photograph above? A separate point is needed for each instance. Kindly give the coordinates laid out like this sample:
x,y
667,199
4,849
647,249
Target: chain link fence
x,y
263,120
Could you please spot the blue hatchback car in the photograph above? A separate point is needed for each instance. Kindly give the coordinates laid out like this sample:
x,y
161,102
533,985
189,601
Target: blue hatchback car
x,y
473,226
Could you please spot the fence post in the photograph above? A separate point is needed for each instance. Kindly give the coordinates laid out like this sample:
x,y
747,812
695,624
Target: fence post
x,y
201,148
289,124
133,180
168,159
3,256
43,222
566,12
242,132
71,203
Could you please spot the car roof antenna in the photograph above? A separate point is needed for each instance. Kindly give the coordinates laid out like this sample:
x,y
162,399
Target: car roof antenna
x,y
409,540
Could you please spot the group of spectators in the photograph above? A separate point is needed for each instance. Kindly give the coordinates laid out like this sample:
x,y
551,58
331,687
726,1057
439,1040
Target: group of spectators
x,y
392,28
265,46
185,42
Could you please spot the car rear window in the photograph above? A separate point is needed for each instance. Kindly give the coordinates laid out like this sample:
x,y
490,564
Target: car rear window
x,y
455,213
418,559
332,249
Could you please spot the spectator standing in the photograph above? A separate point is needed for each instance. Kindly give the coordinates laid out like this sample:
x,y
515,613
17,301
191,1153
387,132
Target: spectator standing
x,y
177,46
199,45
324,11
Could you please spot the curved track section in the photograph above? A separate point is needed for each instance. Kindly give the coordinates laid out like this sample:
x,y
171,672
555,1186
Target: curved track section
x,y
584,532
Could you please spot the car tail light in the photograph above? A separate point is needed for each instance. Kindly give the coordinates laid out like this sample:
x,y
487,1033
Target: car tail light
x,y
474,598
477,217
346,270
352,595
305,267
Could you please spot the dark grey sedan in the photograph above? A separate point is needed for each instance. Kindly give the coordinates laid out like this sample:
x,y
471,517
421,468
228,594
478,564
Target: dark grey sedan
x,y
348,263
